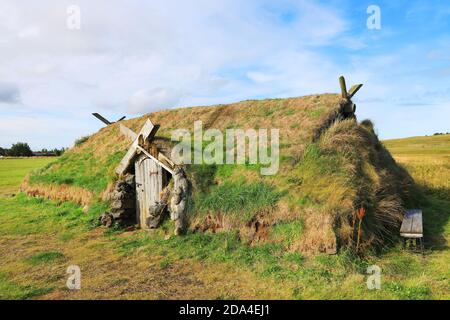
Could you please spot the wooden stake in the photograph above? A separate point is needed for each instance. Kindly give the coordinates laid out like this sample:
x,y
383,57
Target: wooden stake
x,y
359,235
354,89
127,132
156,160
361,214
343,87
101,118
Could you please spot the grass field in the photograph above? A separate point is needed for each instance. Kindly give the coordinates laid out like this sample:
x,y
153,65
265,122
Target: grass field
x,y
427,159
13,170
39,239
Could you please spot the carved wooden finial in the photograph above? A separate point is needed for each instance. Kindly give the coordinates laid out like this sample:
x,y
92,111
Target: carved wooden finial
x,y
343,87
348,106
353,90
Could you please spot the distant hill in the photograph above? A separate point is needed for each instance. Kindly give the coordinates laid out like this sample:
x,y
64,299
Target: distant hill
x,y
436,144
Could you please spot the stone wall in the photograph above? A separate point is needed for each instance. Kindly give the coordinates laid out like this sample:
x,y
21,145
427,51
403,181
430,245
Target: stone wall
x,y
123,203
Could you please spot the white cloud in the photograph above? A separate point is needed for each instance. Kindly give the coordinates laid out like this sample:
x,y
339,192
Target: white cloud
x,y
124,47
136,57
152,100
260,76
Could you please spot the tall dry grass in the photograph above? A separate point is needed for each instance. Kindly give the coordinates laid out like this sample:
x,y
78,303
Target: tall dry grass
x,y
427,159
348,169
62,192
431,172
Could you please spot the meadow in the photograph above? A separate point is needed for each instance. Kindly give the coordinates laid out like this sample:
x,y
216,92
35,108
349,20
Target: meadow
x,y
40,238
13,170
427,159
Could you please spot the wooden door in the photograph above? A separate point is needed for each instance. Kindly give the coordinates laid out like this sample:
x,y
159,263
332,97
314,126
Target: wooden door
x,y
149,184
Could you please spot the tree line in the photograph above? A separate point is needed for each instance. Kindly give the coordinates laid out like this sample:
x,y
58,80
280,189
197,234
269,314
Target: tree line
x,y
22,149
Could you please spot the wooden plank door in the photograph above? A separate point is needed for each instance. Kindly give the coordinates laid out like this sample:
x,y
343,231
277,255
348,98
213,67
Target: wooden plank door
x,y
140,194
149,184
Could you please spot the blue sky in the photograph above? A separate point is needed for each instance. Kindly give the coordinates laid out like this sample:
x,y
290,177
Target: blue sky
x,y
133,57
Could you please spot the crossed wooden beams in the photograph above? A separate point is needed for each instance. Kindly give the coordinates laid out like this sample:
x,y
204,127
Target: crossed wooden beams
x,y
349,107
104,120
141,141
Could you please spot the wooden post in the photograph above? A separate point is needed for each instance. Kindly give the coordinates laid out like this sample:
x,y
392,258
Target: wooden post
x,y
101,118
104,120
343,87
354,89
127,132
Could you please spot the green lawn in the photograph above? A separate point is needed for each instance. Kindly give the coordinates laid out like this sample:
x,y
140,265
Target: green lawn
x,y
13,170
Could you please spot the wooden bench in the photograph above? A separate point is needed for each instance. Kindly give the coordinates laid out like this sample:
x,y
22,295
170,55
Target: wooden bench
x,y
412,228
